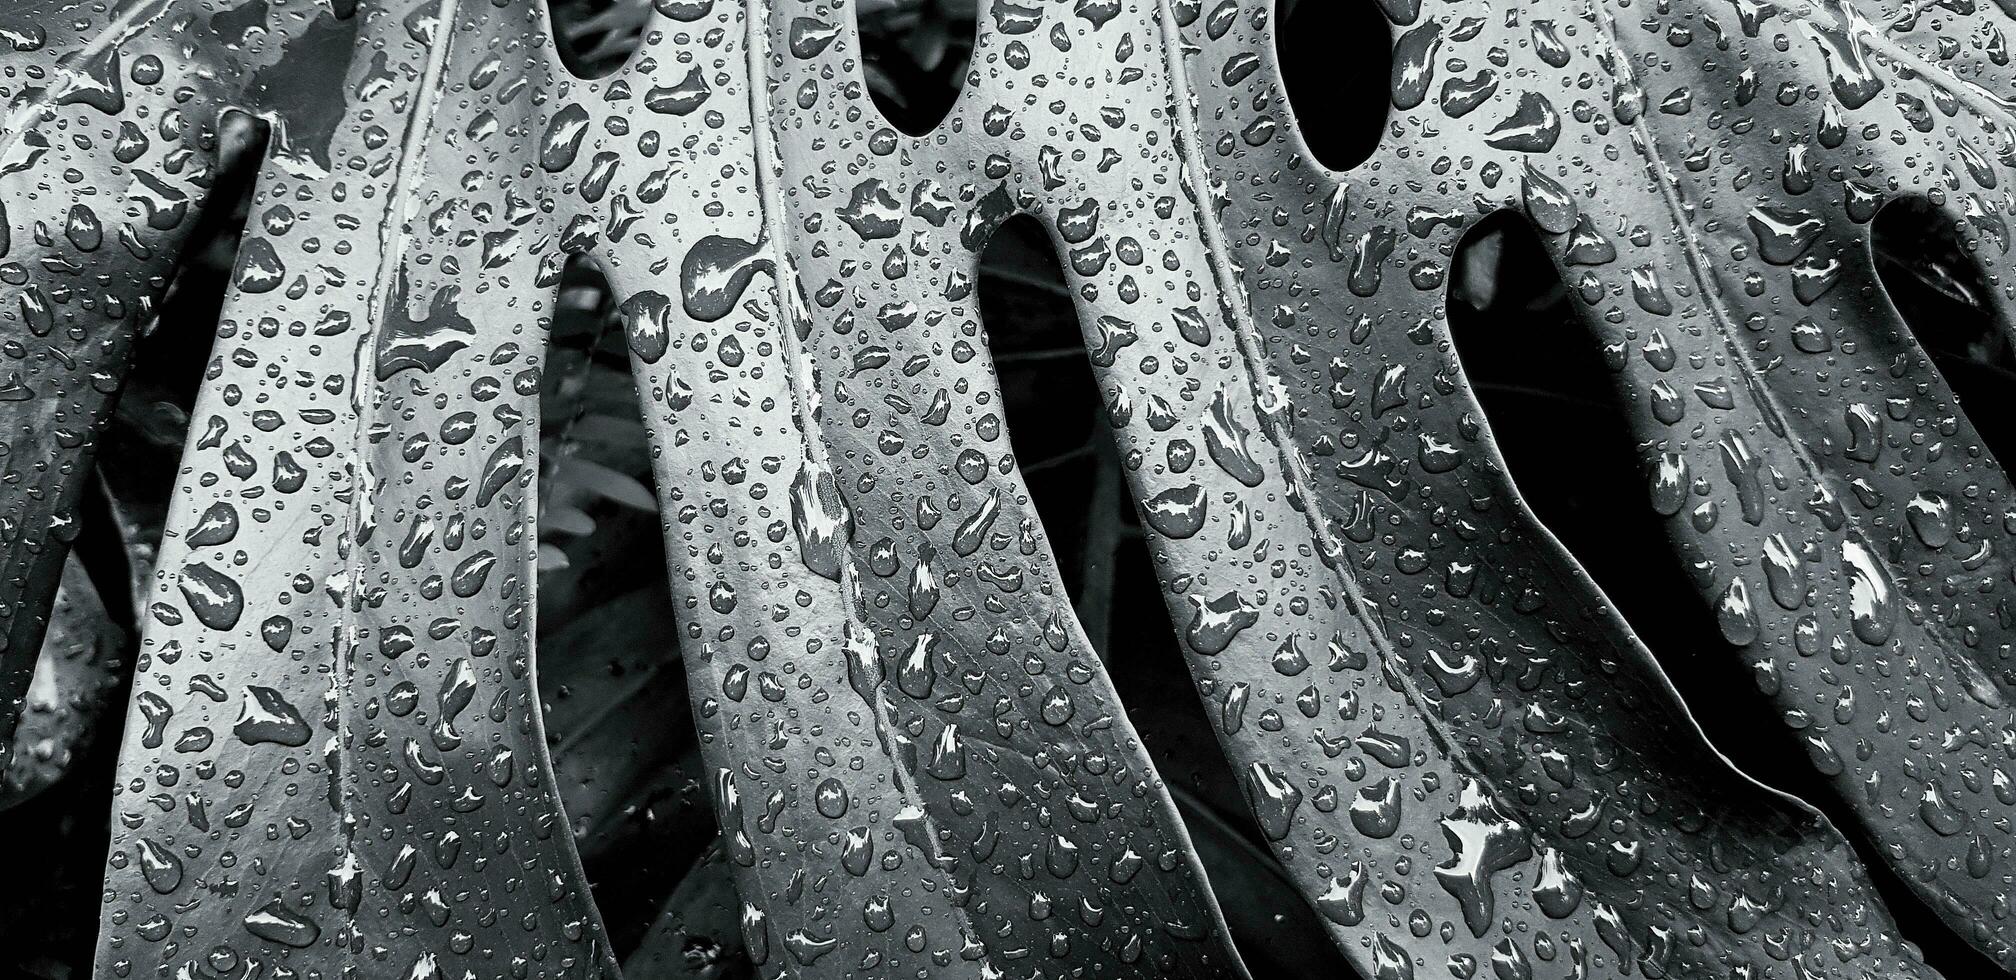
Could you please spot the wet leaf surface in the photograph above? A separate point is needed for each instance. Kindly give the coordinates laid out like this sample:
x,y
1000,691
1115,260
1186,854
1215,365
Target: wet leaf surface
x,y
1730,296
1460,756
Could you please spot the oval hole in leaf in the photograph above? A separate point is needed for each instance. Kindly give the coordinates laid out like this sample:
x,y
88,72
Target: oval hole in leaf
x,y
1935,282
1556,414
915,54
1057,426
1335,57
596,37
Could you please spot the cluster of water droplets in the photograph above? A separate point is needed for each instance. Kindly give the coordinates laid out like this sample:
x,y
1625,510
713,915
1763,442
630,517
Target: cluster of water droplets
x,y
1467,764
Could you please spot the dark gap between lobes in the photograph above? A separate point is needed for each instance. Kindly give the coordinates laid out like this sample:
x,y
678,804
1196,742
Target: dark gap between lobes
x,y
1057,428
1937,285
1555,413
611,681
915,56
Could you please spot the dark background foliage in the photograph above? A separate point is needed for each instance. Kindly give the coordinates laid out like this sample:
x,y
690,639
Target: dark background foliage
x,y
613,688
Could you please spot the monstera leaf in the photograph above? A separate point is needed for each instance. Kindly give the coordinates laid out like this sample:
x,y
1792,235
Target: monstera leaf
x,y
1461,757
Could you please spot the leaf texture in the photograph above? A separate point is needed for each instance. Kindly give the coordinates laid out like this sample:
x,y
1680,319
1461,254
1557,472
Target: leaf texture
x,y
66,347
1463,759
75,678
863,719
1852,561
334,762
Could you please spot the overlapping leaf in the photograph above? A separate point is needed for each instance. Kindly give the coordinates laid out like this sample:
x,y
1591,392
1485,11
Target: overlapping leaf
x,y
334,759
1463,760
1830,498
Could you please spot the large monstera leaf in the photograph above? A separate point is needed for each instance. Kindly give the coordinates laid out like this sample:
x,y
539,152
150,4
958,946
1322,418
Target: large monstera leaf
x,y
335,762
1827,493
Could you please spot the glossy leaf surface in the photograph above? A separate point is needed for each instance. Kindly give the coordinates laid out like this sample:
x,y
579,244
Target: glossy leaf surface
x,y
1463,759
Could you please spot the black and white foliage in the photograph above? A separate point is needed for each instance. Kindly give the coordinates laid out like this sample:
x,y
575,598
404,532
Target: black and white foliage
x,y
338,758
